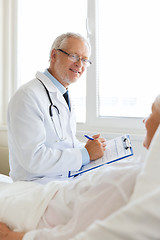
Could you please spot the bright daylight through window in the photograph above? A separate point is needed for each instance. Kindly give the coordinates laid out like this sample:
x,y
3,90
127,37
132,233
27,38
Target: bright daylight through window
x,y
129,56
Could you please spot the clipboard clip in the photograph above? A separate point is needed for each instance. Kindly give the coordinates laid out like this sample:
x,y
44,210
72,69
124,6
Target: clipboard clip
x,y
126,142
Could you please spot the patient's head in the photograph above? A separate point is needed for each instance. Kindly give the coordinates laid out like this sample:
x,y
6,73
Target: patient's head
x,y
152,122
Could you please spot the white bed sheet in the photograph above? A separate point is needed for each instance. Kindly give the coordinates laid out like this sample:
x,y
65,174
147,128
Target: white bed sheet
x,y
23,203
6,179
73,205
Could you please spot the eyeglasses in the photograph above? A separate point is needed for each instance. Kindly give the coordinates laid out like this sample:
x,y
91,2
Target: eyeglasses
x,y
76,58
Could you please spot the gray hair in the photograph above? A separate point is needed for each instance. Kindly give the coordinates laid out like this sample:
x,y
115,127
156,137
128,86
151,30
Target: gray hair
x,y
61,40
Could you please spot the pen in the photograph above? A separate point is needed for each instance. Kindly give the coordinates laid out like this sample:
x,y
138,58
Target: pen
x,y
90,138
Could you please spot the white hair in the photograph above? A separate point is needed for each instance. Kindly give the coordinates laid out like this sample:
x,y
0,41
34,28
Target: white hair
x,y
61,40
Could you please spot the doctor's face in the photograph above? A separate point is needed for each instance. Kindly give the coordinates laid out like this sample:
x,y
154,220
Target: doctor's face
x,y
151,124
67,71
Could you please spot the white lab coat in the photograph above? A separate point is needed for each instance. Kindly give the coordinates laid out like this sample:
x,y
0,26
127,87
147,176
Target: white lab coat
x,y
35,149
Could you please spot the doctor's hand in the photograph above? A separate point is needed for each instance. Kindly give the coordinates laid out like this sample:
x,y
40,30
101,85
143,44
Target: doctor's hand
x,y
96,147
7,234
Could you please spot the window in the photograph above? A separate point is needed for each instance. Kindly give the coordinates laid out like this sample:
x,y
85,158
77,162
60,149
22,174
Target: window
x,y
119,87
128,57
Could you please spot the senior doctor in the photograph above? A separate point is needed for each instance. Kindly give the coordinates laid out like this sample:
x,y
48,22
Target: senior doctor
x,y
41,119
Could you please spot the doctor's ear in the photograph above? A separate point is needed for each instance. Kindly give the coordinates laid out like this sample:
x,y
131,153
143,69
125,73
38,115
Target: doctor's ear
x,y
53,55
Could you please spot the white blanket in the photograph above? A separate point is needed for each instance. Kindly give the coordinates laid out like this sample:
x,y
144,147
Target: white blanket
x,y
70,206
6,179
23,203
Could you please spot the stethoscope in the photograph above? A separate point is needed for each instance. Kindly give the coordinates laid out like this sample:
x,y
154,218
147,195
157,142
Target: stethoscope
x,y
61,138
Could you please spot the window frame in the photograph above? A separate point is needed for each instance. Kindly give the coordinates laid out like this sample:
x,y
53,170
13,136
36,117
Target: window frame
x,y
8,61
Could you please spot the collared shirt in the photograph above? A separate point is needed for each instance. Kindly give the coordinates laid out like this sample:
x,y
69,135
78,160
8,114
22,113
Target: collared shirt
x,y
62,89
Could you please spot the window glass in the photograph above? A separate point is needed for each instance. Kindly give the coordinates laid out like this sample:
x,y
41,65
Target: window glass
x,y
128,56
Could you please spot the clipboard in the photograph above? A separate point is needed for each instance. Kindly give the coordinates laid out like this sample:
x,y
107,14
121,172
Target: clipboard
x,y
116,149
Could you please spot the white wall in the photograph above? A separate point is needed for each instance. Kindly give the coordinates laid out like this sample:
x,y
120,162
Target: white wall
x,y
1,55
4,164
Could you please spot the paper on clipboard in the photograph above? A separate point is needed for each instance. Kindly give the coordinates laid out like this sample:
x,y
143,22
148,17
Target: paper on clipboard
x,y
116,149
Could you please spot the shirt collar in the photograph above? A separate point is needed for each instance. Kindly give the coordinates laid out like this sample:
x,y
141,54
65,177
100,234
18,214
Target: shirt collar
x,y
60,87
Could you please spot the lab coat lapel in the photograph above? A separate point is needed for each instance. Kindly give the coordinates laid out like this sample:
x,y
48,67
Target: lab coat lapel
x,y
53,90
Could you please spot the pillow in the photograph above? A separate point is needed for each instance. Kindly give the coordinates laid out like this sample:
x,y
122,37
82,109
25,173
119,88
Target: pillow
x,y
5,178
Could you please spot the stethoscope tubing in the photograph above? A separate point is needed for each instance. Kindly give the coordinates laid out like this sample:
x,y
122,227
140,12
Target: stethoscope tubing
x,y
51,114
